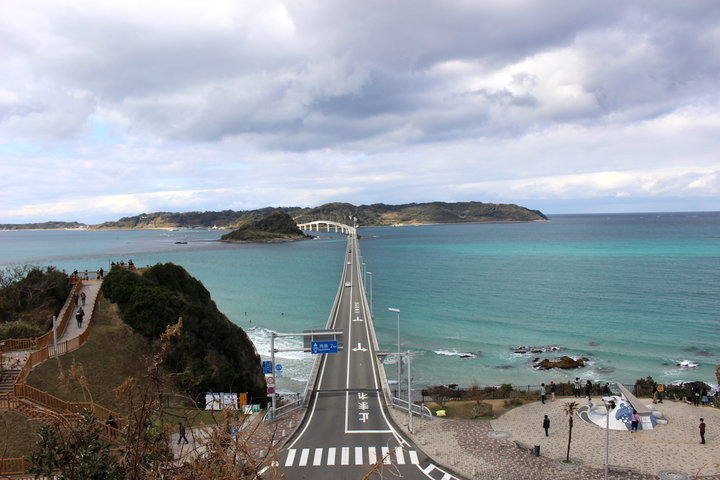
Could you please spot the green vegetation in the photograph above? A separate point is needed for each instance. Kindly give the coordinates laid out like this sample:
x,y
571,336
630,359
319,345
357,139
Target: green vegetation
x,y
29,297
212,354
367,215
41,226
278,226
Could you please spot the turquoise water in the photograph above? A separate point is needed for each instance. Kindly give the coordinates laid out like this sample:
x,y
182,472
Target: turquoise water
x,y
636,294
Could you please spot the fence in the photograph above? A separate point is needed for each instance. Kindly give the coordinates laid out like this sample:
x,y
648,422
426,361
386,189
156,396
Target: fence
x,y
14,466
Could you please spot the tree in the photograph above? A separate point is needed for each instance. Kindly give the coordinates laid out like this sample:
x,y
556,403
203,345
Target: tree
x,y
570,408
75,450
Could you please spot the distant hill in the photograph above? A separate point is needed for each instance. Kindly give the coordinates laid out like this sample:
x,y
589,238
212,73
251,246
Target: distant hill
x,y
367,215
278,226
41,226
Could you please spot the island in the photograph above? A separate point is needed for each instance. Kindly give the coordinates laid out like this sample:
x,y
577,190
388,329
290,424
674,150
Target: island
x,y
276,227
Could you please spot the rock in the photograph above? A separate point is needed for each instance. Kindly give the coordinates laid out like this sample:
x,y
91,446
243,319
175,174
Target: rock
x,y
563,362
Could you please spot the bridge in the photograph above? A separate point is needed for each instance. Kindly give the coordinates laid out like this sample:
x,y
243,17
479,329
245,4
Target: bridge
x,y
347,431
327,225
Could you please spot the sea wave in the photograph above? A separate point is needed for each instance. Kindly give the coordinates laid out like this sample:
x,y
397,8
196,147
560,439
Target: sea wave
x,y
260,336
455,353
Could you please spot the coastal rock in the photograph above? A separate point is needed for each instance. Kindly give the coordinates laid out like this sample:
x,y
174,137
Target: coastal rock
x,y
525,350
563,362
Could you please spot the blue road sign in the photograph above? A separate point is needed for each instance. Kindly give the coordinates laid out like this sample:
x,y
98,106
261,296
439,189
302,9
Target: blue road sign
x,y
267,367
330,346
278,367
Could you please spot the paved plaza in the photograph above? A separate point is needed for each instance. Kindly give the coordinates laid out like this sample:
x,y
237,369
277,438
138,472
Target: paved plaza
x,y
481,449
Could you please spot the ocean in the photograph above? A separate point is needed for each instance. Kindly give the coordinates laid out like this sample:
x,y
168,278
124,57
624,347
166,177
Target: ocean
x,y
636,294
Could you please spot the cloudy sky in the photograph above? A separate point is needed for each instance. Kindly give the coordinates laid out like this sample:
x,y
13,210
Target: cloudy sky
x,y
112,108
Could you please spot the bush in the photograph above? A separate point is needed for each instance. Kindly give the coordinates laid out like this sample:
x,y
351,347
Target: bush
x,y
19,329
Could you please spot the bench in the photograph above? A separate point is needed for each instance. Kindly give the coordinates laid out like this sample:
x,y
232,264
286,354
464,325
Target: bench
x,y
619,469
525,447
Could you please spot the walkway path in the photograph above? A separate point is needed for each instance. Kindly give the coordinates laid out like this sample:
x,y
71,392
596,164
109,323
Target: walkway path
x,y
473,448
91,288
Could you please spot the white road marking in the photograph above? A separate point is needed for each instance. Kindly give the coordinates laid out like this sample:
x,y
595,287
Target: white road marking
x,y
399,456
358,456
372,456
385,455
317,460
359,348
290,457
304,457
413,457
345,456
331,456
447,476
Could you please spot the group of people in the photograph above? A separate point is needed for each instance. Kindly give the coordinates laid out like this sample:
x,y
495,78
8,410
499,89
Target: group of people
x,y
129,265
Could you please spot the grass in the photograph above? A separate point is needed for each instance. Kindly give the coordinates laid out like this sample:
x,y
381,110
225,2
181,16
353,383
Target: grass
x,y
112,354
17,435
465,409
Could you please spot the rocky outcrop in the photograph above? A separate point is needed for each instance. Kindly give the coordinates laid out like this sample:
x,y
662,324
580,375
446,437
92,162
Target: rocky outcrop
x,y
563,362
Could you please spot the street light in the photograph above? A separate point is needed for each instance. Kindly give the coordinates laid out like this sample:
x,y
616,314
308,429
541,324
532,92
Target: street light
x,y
397,310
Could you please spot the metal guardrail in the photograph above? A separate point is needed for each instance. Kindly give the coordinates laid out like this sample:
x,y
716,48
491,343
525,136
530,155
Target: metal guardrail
x,y
420,410
285,409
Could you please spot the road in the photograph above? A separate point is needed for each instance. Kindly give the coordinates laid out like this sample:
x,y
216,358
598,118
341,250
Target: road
x,y
347,432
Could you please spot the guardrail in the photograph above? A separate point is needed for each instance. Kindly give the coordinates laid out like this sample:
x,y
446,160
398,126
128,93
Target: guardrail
x,y
420,410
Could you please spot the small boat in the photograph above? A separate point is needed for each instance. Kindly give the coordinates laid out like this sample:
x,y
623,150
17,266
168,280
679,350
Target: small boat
x,y
181,243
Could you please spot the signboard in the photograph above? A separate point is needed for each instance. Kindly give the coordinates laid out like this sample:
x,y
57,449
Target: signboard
x,y
278,367
312,336
267,367
270,380
249,409
324,347
218,401
270,390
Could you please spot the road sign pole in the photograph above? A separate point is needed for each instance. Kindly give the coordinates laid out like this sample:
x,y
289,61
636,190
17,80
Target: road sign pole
x,y
272,359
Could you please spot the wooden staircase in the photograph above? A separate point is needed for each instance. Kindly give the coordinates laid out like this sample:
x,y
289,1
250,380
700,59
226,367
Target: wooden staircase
x,y
7,380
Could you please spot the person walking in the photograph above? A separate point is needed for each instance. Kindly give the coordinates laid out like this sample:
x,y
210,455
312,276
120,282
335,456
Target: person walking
x,y
542,393
577,387
701,427
78,318
181,433
660,392
82,297
553,390
546,425
634,420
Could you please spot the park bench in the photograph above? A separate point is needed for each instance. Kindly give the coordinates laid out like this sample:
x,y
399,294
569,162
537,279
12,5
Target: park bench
x,y
619,469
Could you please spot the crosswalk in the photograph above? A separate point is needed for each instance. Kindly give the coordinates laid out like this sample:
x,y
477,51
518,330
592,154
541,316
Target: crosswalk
x,y
332,456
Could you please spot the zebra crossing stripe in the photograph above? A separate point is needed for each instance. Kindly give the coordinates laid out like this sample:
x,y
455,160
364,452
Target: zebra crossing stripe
x,y
386,455
304,453
290,458
447,476
399,456
372,456
317,461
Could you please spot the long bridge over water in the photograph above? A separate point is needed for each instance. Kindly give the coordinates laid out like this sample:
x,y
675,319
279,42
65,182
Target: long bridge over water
x,y
347,431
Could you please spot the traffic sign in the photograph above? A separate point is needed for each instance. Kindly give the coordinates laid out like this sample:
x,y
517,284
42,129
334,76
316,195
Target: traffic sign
x,y
270,380
270,390
267,367
278,367
324,347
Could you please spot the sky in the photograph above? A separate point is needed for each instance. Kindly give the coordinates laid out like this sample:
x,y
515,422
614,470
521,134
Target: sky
x,y
110,108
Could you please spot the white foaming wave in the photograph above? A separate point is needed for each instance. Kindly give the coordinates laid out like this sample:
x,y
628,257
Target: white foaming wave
x,y
684,364
260,336
455,353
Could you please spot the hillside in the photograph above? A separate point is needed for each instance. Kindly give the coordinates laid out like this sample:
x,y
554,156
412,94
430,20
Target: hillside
x,y
378,214
278,226
212,354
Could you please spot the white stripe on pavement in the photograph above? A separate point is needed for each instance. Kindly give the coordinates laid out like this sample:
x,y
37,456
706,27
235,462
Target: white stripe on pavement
x,y
290,458
331,456
304,457
372,456
386,455
413,457
317,461
399,456
358,456
345,457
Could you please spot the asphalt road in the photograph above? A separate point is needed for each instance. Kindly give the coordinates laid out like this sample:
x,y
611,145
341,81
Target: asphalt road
x,y
347,432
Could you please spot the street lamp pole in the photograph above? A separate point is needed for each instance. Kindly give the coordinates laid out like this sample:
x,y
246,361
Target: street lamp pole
x,y
409,387
399,360
607,438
